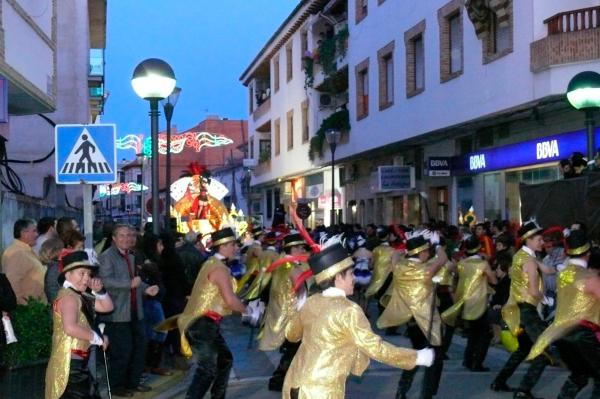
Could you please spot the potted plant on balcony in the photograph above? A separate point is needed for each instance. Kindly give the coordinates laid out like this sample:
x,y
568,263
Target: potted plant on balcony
x,y
264,156
339,120
26,359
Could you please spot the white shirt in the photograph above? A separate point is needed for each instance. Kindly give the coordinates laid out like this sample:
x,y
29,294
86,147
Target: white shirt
x,y
333,292
530,251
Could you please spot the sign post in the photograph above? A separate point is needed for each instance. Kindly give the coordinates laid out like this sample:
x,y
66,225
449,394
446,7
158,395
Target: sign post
x,y
86,154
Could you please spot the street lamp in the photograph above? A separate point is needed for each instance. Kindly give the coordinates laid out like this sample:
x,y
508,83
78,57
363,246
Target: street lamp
x,y
141,158
168,107
583,93
153,80
333,138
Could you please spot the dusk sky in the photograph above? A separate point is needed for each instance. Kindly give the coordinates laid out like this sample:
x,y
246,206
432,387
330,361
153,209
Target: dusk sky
x,y
207,43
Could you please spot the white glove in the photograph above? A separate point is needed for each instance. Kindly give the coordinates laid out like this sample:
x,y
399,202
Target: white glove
x,y
566,232
436,279
254,311
548,301
425,357
301,299
96,340
8,330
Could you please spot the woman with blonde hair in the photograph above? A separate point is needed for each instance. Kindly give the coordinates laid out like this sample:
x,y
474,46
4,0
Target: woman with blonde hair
x,y
49,252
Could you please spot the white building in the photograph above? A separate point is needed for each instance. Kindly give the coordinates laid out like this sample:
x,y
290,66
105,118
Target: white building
x,y
52,57
479,88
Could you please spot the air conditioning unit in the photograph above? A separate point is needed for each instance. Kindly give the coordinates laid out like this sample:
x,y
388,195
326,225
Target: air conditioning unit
x,y
325,100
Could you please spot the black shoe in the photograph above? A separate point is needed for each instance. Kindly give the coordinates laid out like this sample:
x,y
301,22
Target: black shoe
x,y
276,386
479,369
501,387
122,392
524,395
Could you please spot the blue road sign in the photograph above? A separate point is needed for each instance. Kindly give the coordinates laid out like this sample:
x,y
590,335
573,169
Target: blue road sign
x,y
85,153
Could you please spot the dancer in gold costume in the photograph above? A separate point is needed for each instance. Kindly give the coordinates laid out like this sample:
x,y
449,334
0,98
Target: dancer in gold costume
x,y
577,320
412,296
283,304
520,312
73,312
474,274
336,336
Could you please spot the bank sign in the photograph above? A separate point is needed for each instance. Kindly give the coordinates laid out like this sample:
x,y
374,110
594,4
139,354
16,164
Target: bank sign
x,y
546,149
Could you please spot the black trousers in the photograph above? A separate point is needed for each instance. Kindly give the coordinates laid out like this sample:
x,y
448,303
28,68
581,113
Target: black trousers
x,y
288,351
126,353
214,360
533,326
433,374
580,350
80,381
479,336
445,302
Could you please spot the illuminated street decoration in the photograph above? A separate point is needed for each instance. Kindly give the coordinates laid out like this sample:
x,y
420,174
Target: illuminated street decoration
x,y
195,141
106,190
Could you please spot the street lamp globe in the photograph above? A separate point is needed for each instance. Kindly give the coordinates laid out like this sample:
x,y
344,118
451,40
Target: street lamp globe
x,y
153,79
333,136
584,90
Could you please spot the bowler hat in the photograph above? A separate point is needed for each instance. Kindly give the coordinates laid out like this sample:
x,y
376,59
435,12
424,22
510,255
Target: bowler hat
x,y
329,262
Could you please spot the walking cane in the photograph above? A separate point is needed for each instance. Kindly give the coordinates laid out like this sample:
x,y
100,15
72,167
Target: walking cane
x,y
101,327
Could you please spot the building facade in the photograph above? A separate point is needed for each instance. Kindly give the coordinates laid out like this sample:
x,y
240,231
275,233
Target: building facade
x,y
451,104
52,62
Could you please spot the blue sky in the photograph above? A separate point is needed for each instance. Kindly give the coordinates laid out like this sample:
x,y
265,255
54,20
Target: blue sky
x,y
207,43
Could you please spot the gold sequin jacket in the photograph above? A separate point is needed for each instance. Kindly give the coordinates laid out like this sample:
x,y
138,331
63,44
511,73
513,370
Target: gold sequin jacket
x,y
471,293
382,266
336,340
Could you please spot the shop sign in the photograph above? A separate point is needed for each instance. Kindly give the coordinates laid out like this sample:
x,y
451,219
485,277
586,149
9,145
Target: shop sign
x,y
438,166
314,191
325,200
396,178
546,149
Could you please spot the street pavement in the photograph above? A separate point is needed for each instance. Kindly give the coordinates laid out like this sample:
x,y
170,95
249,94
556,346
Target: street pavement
x,y
252,369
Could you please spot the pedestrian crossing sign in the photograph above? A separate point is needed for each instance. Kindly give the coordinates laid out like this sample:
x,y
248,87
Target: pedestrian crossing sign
x,y
85,154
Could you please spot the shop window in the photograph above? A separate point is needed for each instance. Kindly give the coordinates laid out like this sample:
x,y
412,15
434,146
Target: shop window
x,y
492,207
269,201
379,219
465,193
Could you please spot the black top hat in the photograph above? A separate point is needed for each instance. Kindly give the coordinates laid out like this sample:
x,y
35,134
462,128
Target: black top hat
x,y
383,233
472,245
257,232
75,260
529,229
416,244
329,262
270,238
291,240
222,236
577,243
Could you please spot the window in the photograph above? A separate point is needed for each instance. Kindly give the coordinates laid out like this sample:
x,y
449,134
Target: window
x,y
385,58
305,132
290,129
456,49
277,131
499,39
276,72
451,40
415,59
138,178
264,149
362,89
362,8
251,98
303,43
251,145
288,62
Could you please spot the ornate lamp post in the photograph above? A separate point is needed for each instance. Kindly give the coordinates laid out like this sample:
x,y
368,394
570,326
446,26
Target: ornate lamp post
x,y
168,107
153,80
583,93
333,138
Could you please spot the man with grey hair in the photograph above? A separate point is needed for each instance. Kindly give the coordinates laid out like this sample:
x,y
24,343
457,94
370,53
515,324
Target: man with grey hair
x,y
21,265
191,257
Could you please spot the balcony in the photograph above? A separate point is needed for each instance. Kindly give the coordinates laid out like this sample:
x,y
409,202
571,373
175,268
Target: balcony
x,y
573,36
262,109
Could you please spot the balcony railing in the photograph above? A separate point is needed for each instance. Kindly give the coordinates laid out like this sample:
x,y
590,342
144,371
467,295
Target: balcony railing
x,y
572,21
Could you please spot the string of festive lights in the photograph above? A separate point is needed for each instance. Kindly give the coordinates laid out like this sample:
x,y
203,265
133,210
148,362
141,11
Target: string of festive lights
x,y
106,190
195,141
